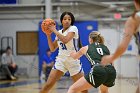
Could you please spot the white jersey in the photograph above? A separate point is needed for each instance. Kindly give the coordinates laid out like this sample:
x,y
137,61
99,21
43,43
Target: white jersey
x,y
72,45
64,62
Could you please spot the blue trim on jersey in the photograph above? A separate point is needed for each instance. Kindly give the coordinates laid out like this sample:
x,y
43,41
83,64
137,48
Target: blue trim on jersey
x,y
81,69
54,67
75,44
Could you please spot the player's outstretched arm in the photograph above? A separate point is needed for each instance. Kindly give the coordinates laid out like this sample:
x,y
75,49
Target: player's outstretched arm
x,y
78,54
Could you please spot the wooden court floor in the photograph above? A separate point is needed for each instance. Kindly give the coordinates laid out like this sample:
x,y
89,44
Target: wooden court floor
x,y
32,85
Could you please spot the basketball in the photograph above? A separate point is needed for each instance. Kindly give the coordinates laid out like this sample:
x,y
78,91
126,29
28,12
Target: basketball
x,y
45,25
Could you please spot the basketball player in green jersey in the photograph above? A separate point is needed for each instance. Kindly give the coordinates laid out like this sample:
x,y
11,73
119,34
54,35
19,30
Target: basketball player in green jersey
x,y
103,76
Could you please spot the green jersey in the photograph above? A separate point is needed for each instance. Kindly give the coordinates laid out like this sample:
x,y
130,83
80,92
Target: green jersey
x,y
99,74
95,52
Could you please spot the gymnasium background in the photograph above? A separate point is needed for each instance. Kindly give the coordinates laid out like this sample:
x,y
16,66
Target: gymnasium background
x,y
20,28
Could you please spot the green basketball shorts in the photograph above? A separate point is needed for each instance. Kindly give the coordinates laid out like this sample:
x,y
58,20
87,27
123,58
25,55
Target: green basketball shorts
x,y
99,74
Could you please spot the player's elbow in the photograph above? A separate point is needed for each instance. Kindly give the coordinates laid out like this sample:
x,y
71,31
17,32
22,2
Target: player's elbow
x,y
52,49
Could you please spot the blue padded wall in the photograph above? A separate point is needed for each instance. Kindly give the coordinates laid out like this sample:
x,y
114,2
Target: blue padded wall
x,y
8,1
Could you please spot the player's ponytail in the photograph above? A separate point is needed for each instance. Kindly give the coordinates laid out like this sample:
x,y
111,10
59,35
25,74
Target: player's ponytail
x,y
96,37
101,39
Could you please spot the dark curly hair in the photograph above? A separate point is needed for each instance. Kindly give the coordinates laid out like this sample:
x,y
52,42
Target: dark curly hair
x,y
70,14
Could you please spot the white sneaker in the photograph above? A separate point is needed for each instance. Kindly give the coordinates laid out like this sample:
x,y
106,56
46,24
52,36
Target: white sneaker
x,y
13,78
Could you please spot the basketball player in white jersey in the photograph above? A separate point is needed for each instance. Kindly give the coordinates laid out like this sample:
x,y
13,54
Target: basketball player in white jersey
x,y
132,26
66,42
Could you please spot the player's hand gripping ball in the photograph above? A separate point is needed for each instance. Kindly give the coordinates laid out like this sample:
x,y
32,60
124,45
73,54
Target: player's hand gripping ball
x,y
45,25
